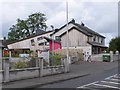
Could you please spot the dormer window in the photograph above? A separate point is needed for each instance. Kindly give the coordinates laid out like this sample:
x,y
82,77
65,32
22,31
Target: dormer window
x,y
57,38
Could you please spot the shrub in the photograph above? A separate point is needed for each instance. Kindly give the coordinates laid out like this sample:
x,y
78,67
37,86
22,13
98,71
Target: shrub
x,y
55,59
32,62
19,65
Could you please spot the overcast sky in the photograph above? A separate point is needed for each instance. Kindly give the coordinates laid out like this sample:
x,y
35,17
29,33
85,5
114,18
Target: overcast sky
x,y
101,16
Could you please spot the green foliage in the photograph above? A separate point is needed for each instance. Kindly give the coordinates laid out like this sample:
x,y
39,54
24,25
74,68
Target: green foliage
x,y
45,63
25,28
19,65
32,62
55,59
114,44
15,55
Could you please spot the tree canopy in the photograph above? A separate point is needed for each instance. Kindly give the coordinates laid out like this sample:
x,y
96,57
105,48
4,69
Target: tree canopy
x,y
25,28
114,44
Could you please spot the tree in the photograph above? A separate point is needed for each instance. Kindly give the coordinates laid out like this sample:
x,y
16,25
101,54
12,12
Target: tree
x,y
25,28
114,44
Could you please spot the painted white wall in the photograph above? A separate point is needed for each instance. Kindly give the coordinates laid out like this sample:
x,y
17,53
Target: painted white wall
x,y
84,49
26,44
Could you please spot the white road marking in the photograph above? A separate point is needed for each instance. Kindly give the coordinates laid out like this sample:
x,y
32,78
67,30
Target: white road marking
x,y
87,85
117,77
114,79
106,86
110,77
110,82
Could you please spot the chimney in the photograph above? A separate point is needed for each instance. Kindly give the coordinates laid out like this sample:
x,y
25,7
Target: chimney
x,y
82,24
4,38
73,20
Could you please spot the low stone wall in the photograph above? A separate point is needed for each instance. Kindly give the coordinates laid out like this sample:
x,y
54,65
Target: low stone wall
x,y
116,57
27,73
96,57
19,74
99,57
53,70
1,76
0,65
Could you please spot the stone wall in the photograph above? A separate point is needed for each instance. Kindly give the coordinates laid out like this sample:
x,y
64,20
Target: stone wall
x,y
25,73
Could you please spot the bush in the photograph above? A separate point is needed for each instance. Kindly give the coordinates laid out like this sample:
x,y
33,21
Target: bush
x,y
55,59
19,65
32,62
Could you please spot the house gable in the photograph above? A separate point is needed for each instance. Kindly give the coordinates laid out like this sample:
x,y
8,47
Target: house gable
x,y
27,43
76,38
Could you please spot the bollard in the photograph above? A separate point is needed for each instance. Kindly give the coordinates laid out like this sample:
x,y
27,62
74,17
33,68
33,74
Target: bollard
x,y
6,70
41,67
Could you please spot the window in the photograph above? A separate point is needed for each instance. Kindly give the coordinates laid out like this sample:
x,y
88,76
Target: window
x,y
43,43
40,38
32,42
101,40
57,38
94,39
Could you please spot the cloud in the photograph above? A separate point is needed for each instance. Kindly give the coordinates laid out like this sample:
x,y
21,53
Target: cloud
x,y
0,22
100,16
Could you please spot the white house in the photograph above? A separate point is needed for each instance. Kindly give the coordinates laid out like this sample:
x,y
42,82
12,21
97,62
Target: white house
x,y
80,37
30,43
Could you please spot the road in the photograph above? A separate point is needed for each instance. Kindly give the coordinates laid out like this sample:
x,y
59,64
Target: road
x,y
91,81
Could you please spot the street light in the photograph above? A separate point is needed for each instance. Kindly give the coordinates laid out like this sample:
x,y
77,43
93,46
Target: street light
x,y
52,40
67,62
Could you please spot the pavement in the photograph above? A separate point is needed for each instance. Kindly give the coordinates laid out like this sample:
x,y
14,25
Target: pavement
x,y
79,69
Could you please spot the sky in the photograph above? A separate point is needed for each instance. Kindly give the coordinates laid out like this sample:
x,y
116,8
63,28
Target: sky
x,y
99,15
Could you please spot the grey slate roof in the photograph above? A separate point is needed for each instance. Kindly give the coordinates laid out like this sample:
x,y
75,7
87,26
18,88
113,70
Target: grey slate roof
x,y
78,30
39,31
87,30
84,29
